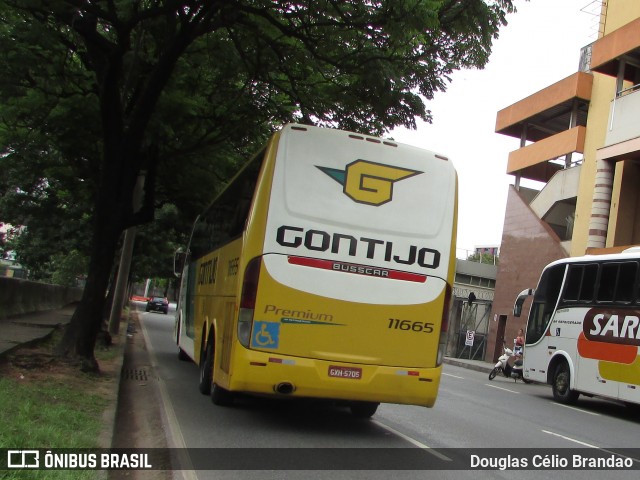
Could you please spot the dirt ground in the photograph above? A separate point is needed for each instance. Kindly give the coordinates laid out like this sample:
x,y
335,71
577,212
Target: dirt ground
x,y
36,363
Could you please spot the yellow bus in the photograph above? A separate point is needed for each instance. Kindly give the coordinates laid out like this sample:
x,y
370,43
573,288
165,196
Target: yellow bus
x,y
323,270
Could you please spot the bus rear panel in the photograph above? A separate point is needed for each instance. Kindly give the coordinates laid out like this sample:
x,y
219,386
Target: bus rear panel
x,y
355,271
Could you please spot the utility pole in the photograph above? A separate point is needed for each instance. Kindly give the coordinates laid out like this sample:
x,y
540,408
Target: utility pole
x,y
125,261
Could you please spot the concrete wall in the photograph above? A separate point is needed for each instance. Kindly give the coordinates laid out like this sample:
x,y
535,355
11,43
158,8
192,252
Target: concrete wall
x,y
19,296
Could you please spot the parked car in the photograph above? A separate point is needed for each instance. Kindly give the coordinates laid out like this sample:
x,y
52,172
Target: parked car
x,y
160,304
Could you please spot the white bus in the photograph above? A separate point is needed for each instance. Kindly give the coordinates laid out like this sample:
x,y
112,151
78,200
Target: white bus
x,y
583,332
324,270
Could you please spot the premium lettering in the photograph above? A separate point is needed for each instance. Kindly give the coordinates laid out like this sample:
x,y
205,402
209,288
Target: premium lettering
x,y
370,248
305,314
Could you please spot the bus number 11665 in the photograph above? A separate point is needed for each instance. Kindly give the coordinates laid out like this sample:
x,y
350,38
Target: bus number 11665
x,y
408,325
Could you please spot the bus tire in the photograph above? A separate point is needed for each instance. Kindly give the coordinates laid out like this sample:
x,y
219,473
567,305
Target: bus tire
x,y
634,408
363,409
493,373
220,396
562,392
206,370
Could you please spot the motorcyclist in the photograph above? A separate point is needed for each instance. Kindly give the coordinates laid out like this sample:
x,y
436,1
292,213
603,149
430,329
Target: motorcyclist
x,y
519,344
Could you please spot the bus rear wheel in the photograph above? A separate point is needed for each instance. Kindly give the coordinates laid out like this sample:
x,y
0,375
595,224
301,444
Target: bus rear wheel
x,y
561,385
363,409
206,370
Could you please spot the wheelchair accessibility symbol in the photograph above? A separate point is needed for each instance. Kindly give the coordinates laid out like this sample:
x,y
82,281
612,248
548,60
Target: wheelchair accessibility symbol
x,y
265,335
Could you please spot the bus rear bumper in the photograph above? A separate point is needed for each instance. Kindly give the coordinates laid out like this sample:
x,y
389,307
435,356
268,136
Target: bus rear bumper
x,y
272,374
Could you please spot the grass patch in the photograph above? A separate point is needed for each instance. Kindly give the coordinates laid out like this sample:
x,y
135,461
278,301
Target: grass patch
x,y
48,403
49,413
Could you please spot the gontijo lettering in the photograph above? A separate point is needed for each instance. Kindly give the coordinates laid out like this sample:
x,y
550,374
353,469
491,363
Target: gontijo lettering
x,y
207,272
371,248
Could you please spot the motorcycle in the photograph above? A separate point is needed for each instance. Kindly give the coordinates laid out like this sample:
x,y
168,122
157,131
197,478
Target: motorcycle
x,y
505,368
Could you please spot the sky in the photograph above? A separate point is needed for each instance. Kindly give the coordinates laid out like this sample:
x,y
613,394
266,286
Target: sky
x,y
539,47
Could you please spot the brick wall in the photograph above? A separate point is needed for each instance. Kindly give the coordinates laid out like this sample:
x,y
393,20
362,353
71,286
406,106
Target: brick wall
x,y
528,245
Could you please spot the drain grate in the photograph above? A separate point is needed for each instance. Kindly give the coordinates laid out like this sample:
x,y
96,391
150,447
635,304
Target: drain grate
x,y
136,374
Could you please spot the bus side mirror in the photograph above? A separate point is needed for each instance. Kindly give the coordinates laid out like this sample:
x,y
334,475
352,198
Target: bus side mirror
x,y
179,259
517,307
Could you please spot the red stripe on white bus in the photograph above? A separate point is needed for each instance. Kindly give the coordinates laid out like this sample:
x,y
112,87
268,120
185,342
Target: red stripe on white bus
x,y
357,269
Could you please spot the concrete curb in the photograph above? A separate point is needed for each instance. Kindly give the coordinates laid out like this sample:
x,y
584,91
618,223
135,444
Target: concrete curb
x,y
109,415
470,364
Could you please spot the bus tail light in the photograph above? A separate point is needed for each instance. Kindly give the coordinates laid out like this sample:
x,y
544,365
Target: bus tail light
x,y
446,309
248,300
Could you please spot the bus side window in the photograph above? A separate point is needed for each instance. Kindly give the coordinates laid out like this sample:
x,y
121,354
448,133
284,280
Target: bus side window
x,y
617,281
581,283
572,286
588,287
607,284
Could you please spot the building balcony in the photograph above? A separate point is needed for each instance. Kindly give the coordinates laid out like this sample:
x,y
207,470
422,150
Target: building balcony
x,y
623,135
552,110
532,161
617,54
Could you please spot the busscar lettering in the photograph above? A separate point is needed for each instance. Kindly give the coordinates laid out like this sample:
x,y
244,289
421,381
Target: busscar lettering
x,y
612,326
360,269
370,248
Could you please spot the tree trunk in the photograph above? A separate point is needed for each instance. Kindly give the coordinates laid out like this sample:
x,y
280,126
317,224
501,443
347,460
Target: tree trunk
x,y
80,335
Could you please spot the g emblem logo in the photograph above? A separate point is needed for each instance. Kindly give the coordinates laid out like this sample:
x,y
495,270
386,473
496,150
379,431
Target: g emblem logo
x,y
368,182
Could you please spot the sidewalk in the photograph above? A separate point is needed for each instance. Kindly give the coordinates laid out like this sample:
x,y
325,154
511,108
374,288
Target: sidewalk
x,y
30,327
478,365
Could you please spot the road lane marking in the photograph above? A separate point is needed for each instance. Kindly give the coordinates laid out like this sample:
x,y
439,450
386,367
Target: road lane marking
x,y
590,446
571,439
501,388
413,441
576,409
454,376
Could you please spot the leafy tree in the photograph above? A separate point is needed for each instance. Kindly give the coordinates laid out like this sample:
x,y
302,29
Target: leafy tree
x,y
68,268
484,258
96,93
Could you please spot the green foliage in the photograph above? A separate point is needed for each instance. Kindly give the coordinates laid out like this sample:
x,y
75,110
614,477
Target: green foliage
x,y
156,244
96,93
484,258
69,268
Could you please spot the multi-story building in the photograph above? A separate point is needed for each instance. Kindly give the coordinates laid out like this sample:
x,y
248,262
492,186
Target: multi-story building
x,y
579,141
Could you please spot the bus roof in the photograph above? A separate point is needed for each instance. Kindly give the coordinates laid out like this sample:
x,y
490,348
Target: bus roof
x,y
631,253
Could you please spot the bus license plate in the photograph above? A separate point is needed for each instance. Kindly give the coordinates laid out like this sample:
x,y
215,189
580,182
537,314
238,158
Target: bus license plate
x,y
345,372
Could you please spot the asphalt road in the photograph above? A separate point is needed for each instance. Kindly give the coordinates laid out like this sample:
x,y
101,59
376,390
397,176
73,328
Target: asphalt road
x,y
471,413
